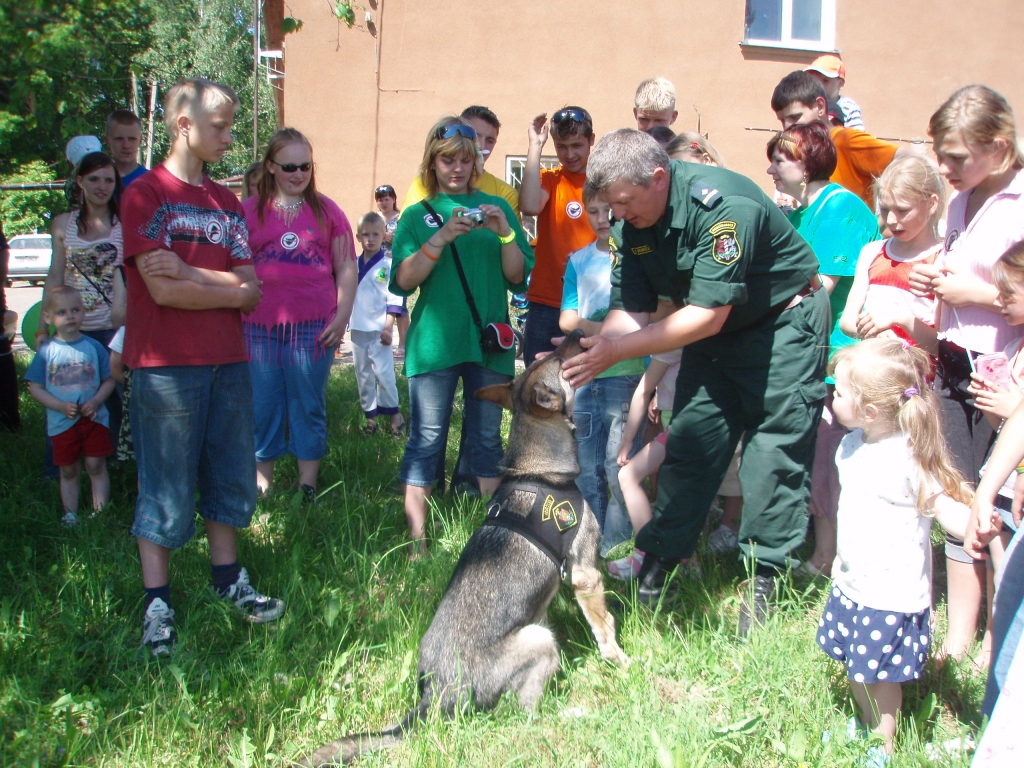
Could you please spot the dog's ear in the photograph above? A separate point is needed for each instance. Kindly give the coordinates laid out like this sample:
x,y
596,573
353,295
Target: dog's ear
x,y
497,393
546,401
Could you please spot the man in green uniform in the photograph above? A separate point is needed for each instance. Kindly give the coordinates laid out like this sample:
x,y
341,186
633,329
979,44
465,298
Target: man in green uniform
x,y
753,321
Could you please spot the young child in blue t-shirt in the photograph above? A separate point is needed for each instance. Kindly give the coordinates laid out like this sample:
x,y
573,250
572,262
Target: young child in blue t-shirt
x,y
601,407
70,377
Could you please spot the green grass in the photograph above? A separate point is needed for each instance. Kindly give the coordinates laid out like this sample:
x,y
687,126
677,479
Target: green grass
x,y
74,689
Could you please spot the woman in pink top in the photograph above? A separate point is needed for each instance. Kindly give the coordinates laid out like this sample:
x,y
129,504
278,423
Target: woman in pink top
x,y
975,142
303,251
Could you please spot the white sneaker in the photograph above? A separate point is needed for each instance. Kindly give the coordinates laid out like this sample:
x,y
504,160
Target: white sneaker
x,y
158,628
723,539
255,607
70,520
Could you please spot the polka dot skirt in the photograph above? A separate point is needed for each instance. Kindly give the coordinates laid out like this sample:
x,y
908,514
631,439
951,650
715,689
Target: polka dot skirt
x,y
876,646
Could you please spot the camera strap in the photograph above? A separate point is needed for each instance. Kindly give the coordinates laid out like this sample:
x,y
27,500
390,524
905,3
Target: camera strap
x,y
462,273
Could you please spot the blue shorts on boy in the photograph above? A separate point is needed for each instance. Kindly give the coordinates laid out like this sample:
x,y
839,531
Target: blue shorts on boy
x,y
71,372
373,361
602,406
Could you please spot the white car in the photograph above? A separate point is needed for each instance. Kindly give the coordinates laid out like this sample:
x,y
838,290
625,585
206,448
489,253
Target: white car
x,y
30,258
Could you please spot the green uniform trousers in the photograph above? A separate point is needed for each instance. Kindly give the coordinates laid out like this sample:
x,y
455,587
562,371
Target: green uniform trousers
x,y
765,381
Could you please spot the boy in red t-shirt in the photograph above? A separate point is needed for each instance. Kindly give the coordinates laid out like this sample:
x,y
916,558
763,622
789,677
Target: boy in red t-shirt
x,y
189,274
556,199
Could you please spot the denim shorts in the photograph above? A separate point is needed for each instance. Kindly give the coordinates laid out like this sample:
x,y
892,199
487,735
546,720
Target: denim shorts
x,y
192,427
289,391
431,396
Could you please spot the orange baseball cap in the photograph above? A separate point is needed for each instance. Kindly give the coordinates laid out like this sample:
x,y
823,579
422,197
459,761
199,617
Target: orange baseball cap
x,y
829,65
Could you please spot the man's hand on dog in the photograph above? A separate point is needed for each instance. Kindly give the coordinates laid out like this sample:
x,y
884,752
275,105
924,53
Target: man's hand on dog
x,y
602,353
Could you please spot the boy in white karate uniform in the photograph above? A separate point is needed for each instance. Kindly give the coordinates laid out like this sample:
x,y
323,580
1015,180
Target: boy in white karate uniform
x,y
371,324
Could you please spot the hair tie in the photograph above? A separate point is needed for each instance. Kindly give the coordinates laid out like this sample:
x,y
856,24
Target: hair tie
x,y
910,392
695,145
907,344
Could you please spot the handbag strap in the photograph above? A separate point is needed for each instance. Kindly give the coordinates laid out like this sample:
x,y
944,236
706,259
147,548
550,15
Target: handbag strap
x,y
462,273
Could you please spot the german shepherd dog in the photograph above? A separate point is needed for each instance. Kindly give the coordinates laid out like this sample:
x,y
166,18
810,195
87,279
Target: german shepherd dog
x,y
489,635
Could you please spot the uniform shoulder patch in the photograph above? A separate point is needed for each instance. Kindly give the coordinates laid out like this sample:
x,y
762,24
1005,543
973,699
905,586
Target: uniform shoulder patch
x,y
725,244
705,193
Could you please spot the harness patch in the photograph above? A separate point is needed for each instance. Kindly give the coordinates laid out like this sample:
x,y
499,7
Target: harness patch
x,y
725,248
640,250
561,512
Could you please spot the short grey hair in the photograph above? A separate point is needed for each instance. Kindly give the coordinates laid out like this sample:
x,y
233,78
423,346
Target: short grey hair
x,y
625,155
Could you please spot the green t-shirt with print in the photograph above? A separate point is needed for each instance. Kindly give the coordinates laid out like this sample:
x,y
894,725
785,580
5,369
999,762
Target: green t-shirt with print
x,y
441,329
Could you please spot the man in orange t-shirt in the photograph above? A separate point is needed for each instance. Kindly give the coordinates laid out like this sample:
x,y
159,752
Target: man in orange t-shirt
x,y
555,197
799,98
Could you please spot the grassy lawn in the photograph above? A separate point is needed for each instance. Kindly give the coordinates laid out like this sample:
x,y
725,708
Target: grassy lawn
x,y
74,689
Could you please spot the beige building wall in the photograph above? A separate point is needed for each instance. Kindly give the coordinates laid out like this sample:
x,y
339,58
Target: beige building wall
x,y
366,96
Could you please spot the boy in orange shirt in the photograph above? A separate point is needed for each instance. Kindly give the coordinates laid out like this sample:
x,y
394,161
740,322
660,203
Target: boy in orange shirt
x,y
555,197
799,98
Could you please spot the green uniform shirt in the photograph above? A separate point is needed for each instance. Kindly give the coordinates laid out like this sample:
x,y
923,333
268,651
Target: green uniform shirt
x,y
441,329
721,242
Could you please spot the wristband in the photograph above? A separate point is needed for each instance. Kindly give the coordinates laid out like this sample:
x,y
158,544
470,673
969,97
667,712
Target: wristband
x,y
1020,468
510,237
427,253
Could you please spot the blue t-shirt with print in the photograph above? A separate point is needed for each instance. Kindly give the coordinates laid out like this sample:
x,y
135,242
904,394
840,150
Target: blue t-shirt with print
x,y
72,372
587,289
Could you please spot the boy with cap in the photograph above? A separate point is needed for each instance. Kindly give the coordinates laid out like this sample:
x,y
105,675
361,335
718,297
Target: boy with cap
x,y
830,71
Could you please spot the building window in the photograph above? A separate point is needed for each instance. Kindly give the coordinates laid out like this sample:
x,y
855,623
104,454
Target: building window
x,y
801,24
514,167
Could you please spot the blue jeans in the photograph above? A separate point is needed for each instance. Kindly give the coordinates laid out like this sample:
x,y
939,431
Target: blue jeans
x,y
1007,621
599,412
289,389
541,326
431,397
192,428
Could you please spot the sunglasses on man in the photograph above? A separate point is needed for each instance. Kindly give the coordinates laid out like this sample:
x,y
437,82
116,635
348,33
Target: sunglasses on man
x,y
292,167
447,131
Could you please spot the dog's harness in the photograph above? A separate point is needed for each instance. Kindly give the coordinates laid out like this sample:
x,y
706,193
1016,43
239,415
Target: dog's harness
x,y
552,523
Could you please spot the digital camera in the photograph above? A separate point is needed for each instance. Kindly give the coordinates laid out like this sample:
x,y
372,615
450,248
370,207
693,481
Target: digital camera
x,y
478,217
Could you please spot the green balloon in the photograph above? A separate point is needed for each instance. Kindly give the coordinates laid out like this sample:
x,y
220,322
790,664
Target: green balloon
x,y
30,325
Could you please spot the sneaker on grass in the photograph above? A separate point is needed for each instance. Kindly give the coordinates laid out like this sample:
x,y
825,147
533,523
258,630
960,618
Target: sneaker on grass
x,y
723,539
626,568
70,520
255,607
158,628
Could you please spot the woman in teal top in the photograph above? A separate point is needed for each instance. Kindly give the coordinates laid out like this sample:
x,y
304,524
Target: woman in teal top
x,y
837,225
443,343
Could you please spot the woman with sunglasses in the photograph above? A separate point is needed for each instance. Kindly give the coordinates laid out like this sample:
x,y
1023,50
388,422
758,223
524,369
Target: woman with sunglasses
x,y
303,251
444,342
387,204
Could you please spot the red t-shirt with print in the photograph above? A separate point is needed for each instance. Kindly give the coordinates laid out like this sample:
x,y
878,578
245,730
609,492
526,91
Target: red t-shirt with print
x,y
562,229
205,226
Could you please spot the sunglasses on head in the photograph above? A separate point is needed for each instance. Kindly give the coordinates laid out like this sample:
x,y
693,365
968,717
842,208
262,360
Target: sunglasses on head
x,y
576,115
292,167
384,191
447,131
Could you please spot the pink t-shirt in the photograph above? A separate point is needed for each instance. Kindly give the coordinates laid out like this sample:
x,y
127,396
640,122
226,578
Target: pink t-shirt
x,y
295,263
975,247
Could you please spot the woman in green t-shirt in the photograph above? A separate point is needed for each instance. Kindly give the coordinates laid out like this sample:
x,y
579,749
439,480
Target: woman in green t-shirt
x,y
837,225
443,343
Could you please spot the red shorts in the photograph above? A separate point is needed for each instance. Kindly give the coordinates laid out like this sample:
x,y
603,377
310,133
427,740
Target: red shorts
x,y
85,438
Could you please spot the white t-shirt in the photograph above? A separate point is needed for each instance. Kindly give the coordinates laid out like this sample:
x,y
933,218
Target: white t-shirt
x,y
117,343
884,557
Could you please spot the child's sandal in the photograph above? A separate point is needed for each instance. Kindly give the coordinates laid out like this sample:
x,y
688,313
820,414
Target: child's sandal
x,y
400,429
369,430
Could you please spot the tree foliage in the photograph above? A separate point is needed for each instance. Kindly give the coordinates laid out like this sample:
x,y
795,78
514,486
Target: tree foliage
x,y
30,211
66,64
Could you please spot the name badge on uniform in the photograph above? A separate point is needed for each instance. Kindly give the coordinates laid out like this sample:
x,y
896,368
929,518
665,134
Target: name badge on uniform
x,y
640,250
725,248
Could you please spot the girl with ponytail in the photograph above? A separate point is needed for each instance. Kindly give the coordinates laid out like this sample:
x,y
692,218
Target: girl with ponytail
x,y
896,476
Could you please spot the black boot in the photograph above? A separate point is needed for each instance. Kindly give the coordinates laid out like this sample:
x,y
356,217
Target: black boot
x,y
757,601
652,577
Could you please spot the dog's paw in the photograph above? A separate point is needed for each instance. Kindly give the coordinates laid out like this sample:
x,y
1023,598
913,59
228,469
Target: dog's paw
x,y
616,655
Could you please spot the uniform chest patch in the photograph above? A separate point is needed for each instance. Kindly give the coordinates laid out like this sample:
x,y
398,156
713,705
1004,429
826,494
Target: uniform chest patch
x,y
382,275
561,512
640,250
573,210
725,247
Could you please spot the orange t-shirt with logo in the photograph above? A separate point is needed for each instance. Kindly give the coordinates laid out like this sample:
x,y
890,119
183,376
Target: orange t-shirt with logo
x,y
562,228
860,159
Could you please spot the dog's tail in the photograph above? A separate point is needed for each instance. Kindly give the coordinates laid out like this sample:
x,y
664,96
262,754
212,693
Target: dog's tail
x,y
349,748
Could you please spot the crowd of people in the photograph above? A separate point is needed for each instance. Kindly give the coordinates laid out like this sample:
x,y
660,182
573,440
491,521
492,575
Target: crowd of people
x,y
845,354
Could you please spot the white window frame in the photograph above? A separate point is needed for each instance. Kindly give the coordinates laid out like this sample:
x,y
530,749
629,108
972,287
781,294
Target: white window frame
x,y
515,164
828,31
